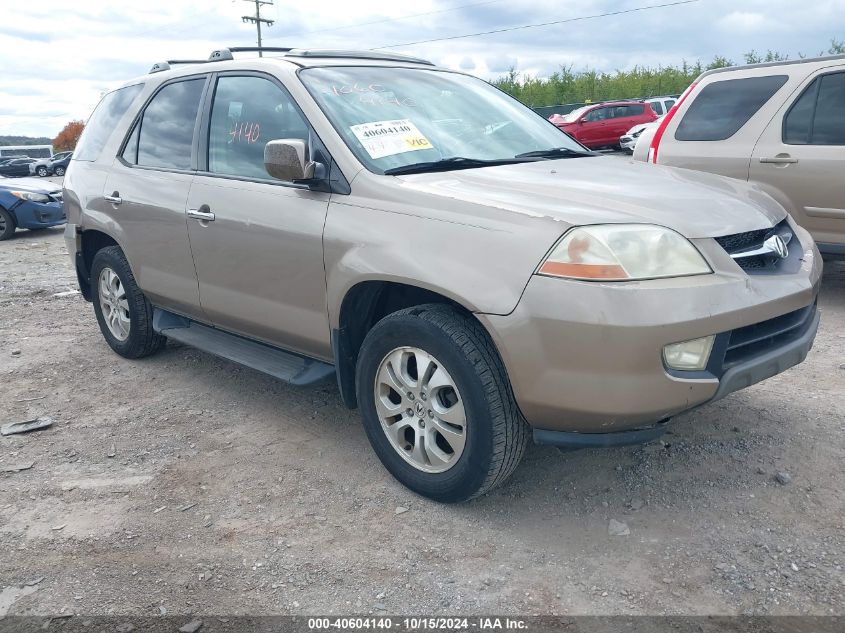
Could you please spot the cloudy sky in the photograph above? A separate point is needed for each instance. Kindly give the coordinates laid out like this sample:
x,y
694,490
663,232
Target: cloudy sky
x,y
58,57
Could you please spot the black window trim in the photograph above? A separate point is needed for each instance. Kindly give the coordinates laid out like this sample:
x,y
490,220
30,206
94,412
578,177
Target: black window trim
x,y
205,132
136,122
816,85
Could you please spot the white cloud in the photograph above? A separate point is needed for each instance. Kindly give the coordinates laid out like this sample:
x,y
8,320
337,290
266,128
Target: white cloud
x,y
59,56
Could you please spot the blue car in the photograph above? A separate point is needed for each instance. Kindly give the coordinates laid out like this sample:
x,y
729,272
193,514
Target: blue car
x,y
26,203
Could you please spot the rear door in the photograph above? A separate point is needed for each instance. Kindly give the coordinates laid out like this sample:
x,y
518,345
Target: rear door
x,y
147,189
800,157
257,241
716,127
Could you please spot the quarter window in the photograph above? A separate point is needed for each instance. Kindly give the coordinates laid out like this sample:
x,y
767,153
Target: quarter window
x,y
818,116
723,107
166,133
103,121
247,113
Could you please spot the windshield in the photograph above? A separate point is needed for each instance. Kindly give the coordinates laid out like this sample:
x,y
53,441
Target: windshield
x,y
393,117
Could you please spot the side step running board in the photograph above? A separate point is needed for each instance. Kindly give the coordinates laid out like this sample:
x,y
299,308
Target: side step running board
x,y
297,370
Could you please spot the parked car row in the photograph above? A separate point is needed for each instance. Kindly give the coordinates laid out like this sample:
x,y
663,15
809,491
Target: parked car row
x,y
18,166
604,124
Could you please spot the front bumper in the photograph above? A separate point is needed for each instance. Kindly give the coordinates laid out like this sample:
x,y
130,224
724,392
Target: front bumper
x,y
37,215
628,143
587,357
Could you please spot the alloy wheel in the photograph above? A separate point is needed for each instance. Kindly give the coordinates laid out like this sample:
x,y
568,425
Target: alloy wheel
x,y
420,409
114,304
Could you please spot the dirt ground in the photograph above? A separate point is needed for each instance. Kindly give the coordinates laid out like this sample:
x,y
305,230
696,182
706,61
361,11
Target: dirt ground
x,y
186,484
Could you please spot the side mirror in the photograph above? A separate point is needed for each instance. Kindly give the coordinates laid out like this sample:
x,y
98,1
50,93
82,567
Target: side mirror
x,y
285,159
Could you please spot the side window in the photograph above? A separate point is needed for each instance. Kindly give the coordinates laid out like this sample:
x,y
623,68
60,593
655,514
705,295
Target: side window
x,y
818,116
166,131
723,107
599,114
829,121
799,119
247,112
669,104
657,107
103,120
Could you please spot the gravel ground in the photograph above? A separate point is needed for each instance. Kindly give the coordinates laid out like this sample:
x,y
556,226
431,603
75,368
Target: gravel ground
x,y
186,484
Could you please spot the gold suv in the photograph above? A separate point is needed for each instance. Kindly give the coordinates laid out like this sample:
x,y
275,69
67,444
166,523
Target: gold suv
x,y
469,275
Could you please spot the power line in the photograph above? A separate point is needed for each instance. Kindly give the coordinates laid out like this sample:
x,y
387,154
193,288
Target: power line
x,y
534,26
404,17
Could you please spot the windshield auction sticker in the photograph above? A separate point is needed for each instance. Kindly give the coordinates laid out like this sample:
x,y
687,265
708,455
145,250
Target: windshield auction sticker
x,y
386,138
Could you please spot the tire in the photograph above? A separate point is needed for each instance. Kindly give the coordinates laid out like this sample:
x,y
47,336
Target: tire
x,y
41,171
7,225
59,171
140,340
495,434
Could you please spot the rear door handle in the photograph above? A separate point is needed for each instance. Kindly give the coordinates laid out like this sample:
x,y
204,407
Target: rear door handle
x,y
203,213
779,160
114,198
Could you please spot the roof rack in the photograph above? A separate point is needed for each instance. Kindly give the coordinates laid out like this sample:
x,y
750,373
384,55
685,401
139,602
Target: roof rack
x,y
391,57
225,54
162,66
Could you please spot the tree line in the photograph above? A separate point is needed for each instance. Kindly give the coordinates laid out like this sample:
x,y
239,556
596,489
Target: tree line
x,y
584,86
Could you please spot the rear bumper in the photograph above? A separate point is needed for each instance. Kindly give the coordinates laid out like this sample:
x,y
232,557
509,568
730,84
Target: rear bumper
x,y
587,357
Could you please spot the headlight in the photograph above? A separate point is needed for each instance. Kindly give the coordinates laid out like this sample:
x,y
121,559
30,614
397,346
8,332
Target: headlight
x,y
623,252
636,134
32,197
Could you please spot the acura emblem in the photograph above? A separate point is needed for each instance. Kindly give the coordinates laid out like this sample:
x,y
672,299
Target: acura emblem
x,y
776,245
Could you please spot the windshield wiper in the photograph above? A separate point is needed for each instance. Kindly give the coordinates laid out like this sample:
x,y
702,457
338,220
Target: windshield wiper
x,y
454,162
554,152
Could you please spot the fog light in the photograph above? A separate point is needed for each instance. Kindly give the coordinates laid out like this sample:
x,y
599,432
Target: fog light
x,y
689,355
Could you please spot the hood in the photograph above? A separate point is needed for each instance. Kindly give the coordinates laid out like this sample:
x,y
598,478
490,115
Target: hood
x,y
607,189
33,185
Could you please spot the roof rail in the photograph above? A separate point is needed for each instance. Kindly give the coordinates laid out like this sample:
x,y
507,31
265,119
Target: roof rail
x,y
162,66
390,57
223,54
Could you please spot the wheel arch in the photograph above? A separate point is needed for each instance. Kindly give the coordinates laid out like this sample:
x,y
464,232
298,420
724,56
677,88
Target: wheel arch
x,y
362,306
91,242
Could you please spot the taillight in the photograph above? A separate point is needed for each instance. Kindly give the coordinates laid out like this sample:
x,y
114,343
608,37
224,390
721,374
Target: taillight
x,y
658,135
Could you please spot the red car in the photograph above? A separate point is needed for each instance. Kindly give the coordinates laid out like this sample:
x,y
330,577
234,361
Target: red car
x,y
602,124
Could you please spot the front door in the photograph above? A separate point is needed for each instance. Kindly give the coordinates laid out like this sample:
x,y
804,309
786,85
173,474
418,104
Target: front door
x,y
257,242
800,157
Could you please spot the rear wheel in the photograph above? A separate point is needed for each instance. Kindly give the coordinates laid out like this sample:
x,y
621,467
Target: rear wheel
x,y
437,405
59,171
7,224
42,171
123,312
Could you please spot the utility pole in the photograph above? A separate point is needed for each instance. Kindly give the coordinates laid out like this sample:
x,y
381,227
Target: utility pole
x,y
258,20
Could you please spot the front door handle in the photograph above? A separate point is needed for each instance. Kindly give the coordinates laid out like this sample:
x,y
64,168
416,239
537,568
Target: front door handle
x,y
115,198
203,213
779,160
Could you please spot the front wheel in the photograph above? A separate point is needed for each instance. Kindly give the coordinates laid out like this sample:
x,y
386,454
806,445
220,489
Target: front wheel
x,y
123,312
7,225
437,405
59,171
